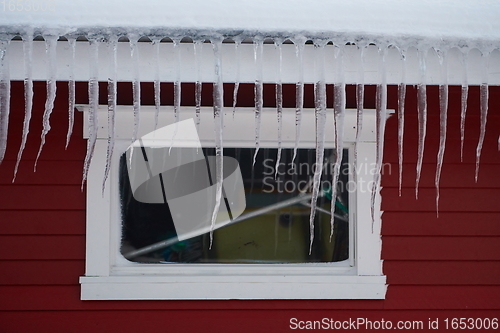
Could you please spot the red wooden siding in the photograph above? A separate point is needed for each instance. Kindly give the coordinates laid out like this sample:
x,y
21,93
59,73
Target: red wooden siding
x,y
442,267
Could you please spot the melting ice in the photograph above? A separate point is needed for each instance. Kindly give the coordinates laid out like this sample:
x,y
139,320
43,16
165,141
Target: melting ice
x,y
321,63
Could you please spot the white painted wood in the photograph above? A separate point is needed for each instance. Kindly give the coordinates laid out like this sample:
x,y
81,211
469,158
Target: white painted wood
x,y
98,218
372,287
110,276
239,130
223,271
247,64
369,246
243,278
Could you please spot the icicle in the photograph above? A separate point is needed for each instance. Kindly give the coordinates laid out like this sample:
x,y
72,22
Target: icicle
x,y
320,113
177,89
360,99
157,85
28,96
238,69
93,106
50,48
339,112
381,114
279,102
422,116
4,96
483,98
465,93
299,91
219,126
259,92
177,83
443,113
198,48
136,85
112,45
71,91
401,117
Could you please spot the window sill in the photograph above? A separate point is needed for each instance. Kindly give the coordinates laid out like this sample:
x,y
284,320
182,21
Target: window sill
x,y
232,287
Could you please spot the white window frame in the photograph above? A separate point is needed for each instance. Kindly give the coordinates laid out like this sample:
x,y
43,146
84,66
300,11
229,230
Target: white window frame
x,y
109,276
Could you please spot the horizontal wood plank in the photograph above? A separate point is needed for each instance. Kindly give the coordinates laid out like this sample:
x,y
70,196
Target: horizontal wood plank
x,y
41,272
50,197
454,100
271,320
453,133
452,176
54,149
42,222
447,224
440,248
42,247
33,298
442,272
59,122
451,200
489,152
47,173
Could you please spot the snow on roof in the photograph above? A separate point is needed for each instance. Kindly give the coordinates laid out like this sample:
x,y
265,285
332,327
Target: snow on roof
x,y
476,20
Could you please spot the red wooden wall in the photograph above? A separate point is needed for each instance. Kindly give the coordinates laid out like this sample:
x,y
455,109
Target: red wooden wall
x,y
442,267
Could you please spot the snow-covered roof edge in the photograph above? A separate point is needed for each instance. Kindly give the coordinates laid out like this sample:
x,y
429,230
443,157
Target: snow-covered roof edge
x,y
400,22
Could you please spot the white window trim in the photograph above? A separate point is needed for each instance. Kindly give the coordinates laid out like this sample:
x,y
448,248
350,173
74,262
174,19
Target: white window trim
x,y
109,276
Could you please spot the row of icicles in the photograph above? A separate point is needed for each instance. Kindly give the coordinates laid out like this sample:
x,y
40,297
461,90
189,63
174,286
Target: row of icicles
x,y
319,98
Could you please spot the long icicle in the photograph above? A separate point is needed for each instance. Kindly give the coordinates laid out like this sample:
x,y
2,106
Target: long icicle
x,y
279,102
177,90
136,85
237,50
28,96
483,98
71,91
320,116
360,100
339,113
258,92
401,117
198,55
112,89
4,96
218,93
299,91
443,114
381,115
50,48
422,116
93,106
157,81
463,112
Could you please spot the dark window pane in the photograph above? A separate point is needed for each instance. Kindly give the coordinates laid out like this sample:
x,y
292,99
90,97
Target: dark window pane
x,y
272,235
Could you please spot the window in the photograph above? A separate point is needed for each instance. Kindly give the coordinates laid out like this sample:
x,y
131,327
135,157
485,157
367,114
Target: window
x,y
261,257
273,208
